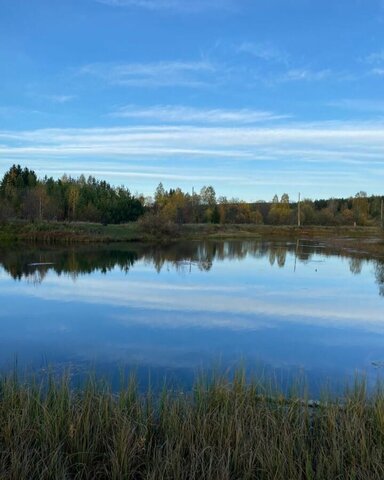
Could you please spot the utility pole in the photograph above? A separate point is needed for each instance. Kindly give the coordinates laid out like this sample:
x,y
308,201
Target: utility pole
x,y
193,205
298,213
382,213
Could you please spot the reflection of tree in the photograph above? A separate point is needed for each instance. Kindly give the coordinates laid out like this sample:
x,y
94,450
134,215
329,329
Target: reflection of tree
x,y
278,254
355,265
379,274
187,266
281,256
37,275
34,263
205,266
304,253
272,256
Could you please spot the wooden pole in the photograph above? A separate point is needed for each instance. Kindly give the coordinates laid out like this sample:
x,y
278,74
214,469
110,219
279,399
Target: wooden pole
x,y
382,214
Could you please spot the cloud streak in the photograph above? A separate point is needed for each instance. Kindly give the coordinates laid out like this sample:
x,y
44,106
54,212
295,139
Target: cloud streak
x,y
303,75
318,155
59,98
375,57
263,51
359,105
353,141
207,73
183,114
157,74
378,71
187,6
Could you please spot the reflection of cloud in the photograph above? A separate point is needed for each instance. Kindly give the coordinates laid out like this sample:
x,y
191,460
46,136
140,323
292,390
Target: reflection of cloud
x,y
249,307
172,318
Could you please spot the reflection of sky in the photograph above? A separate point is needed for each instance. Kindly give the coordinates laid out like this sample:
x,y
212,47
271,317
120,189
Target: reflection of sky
x,y
318,316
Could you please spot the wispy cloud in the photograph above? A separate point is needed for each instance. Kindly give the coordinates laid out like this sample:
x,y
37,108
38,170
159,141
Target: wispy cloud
x,y
12,110
378,71
157,74
264,51
282,67
59,98
359,105
304,75
203,73
315,143
322,159
184,114
375,57
376,61
182,136
188,6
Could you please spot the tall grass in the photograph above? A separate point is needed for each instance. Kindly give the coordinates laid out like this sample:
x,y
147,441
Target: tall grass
x,y
223,429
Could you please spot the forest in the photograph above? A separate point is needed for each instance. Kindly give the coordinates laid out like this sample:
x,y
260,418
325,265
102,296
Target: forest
x,y
23,196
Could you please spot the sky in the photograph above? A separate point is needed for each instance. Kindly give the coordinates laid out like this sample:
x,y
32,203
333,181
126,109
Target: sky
x,y
254,97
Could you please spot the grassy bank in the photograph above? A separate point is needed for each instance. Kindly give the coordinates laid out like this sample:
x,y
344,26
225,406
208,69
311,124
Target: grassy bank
x,y
222,430
69,232
354,240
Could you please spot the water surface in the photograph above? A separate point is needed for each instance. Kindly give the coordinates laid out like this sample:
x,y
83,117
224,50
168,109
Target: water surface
x,y
276,307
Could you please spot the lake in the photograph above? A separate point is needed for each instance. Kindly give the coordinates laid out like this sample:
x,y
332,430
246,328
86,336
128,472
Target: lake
x,y
283,309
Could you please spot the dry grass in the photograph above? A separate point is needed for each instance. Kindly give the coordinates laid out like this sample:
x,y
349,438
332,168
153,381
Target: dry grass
x,y
222,430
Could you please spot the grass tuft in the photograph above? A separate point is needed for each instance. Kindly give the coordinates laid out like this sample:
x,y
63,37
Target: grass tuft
x,y
223,429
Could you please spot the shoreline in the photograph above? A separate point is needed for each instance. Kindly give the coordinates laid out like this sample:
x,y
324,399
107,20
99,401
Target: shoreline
x,y
356,241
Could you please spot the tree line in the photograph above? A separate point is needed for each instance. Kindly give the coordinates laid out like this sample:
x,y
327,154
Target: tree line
x,y
24,196
204,207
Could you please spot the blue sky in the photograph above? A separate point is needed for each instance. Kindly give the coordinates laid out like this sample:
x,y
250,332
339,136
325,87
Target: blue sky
x,y
255,97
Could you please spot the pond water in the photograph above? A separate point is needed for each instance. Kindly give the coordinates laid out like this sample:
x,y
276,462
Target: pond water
x,y
281,308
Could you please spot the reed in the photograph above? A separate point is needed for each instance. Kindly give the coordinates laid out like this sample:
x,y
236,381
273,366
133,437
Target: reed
x,y
223,429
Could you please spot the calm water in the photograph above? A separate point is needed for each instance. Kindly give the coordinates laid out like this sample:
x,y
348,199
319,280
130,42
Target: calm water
x,y
280,308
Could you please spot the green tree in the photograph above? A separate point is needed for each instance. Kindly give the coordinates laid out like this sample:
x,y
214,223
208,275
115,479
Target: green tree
x,y
280,212
160,196
361,208
208,196
73,199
